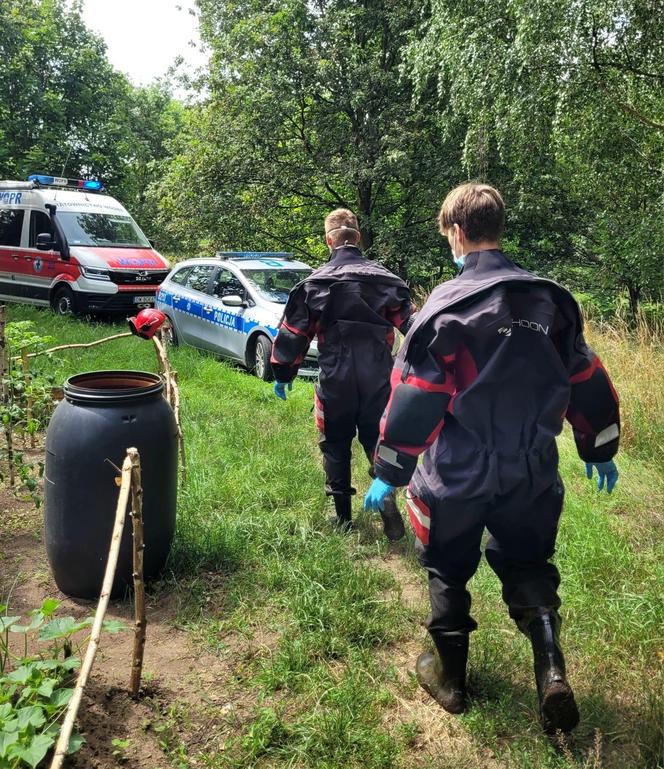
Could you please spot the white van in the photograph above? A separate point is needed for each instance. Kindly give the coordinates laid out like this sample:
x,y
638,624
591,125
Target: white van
x,y
65,243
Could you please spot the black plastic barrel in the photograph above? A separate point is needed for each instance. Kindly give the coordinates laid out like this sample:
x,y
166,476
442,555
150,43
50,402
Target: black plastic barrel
x,y
102,415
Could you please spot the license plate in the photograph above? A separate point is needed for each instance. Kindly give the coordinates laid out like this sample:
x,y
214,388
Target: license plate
x,y
143,299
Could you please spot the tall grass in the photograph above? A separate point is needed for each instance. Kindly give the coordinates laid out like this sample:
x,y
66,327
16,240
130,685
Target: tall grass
x,y
634,357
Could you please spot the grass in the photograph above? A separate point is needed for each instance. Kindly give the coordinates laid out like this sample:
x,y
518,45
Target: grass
x,y
332,686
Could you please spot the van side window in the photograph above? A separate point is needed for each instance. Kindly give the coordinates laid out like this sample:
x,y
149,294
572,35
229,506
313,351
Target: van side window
x,y
180,276
11,225
39,223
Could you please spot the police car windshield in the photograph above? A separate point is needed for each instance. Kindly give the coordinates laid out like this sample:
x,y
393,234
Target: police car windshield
x,y
101,230
274,285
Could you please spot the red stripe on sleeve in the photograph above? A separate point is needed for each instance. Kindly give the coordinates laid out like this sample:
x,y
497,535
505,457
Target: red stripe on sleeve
x,y
430,387
294,330
584,375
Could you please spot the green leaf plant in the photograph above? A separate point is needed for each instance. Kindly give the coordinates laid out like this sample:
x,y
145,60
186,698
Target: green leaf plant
x,y
36,683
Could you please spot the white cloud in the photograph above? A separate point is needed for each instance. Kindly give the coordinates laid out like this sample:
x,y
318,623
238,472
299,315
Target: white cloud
x,y
144,37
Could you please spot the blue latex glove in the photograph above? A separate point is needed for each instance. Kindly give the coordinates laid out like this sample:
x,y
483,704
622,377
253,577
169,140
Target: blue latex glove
x,y
606,471
280,389
375,498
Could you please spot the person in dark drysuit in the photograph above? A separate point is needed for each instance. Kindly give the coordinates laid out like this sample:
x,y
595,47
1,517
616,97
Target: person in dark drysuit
x,y
494,363
353,306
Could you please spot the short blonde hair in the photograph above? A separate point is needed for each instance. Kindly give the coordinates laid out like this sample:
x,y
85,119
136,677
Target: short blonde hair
x,y
342,227
477,208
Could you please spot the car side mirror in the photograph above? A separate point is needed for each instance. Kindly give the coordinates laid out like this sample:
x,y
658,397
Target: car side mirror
x,y
45,242
233,300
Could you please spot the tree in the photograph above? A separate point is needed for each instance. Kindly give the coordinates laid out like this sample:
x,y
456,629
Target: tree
x,y
58,92
563,107
309,110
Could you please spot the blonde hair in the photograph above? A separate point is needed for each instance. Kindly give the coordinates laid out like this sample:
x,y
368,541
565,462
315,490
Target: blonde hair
x,y
477,208
342,227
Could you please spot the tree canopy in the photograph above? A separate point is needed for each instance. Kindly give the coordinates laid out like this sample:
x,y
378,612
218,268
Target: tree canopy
x,y
64,109
380,107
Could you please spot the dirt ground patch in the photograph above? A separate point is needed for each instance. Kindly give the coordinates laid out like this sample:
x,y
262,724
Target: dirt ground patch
x,y
192,700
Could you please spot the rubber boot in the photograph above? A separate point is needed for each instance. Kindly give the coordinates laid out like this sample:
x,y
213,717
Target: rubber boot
x,y
393,527
343,518
443,675
558,711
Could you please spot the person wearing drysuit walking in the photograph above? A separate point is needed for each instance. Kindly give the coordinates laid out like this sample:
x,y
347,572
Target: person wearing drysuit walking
x,y
353,306
494,363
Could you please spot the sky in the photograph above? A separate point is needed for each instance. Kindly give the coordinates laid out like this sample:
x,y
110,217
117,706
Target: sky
x,y
145,36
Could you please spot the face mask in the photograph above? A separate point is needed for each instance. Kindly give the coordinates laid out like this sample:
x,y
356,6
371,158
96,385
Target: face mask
x,y
458,260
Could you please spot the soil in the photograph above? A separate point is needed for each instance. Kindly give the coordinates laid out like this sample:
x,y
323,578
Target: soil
x,y
190,700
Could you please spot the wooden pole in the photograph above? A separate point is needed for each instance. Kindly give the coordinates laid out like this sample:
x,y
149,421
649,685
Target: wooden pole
x,y
140,623
172,392
176,412
111,565
163,364
79,345
6,394
30,401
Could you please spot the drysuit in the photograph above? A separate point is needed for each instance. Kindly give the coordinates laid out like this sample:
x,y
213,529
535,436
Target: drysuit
x,y
352,305
494,363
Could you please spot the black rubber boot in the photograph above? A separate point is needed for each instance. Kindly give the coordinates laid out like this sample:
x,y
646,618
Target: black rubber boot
x,y
393,527
558,711
443,675
343,518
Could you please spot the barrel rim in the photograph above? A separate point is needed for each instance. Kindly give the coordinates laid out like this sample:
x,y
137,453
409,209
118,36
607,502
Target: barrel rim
x,y
75,391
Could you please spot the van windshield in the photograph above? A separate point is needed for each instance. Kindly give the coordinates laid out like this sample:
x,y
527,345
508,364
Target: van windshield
x,y
101,230
275,285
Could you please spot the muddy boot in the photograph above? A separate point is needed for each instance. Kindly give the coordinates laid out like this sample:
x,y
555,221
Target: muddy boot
x,y
342,519
558,710
392,522
443,675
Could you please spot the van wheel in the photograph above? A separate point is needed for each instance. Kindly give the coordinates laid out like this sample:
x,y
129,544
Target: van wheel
x,y
64,302
262,367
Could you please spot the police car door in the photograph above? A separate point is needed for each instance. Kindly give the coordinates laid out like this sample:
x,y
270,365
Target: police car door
x,y
193,307
227,332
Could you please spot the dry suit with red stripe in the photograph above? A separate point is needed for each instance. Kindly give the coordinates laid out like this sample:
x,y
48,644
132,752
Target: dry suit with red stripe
x,y
494,363
353,306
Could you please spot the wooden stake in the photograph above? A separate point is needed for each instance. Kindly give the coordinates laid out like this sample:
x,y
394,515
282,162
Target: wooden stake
x,y
163,364
26,379
171,393
6,395
140,623
111,565
176,412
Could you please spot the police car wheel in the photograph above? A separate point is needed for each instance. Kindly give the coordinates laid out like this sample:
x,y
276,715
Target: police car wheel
x,y
170,333
262,367
63,301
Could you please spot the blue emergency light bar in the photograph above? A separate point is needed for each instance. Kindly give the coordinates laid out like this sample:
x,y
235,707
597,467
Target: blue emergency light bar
x,y
240,255
89,185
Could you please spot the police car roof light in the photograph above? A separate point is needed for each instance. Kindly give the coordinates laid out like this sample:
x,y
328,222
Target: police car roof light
x,y
88,185
247,255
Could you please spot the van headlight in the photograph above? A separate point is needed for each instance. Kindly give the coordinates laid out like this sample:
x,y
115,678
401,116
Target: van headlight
x,y
94,273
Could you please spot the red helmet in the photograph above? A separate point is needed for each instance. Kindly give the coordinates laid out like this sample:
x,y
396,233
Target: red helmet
x,y
146,323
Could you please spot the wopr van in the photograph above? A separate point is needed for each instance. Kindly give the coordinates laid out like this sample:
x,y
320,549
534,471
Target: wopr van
x,y
65,243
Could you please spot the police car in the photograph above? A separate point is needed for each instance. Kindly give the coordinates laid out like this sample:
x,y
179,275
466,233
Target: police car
x,y
232,305
65,243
